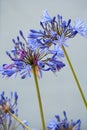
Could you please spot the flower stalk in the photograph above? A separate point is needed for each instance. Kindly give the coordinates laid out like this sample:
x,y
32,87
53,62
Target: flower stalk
x,y
39,98
75,77
17,119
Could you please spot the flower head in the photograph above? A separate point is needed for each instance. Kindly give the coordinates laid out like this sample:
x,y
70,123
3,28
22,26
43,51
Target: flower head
x,y
56,30
64,124
26,56
6,105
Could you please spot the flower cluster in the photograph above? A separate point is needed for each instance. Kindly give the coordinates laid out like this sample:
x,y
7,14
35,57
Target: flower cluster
x,y
64,124
56,31
6,105
25,57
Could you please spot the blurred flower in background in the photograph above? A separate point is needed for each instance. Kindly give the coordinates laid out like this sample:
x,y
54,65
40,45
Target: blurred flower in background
x,y
64,124
9,105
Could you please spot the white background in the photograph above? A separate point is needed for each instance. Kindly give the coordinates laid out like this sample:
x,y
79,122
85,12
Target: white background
x,y
59,92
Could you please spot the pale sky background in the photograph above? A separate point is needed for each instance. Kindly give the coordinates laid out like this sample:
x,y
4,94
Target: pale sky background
x,y
59,92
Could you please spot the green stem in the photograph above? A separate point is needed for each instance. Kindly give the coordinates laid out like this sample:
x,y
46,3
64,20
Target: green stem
x,y
39,98
17,119
75,77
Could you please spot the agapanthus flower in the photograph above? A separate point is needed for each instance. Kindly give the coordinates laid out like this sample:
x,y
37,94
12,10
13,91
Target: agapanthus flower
x,y
64,124
56,31
6,105
9,104
25,56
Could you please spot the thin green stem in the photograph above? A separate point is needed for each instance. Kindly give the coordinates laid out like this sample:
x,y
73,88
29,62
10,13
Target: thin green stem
x,y
17,119
39,98
75,77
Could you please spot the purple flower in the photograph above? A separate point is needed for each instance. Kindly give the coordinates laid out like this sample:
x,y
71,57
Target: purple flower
x,y
27,55
56,31
64,124
8,104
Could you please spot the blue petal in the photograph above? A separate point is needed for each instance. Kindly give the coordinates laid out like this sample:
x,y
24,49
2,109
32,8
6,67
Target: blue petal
x,y
46,17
